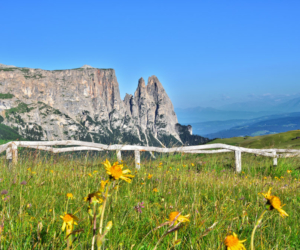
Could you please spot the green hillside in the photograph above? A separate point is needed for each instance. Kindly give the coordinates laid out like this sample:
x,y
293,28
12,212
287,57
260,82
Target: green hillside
x,y
8,134
281,140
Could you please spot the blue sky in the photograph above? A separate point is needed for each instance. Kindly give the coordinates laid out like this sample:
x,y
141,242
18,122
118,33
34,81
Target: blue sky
x,y
204,52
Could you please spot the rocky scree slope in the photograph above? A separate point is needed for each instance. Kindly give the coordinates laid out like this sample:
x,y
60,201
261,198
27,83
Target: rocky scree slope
x,y
85,104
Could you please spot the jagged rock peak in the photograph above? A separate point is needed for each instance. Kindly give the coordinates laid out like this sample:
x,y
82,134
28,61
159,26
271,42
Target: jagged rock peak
x,y
6,66
87,67
141,82
152,110
155,88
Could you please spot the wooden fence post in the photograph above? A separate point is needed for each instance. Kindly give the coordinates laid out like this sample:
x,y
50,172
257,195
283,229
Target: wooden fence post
x,y
274,159
9,154
238,161
119,156
137,159
14,153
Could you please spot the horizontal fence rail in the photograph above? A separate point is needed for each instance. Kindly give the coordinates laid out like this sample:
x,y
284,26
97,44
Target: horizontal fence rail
x,y
12,150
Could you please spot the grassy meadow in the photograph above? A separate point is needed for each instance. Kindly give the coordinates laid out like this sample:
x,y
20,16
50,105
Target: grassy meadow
x,y
219,201
281,140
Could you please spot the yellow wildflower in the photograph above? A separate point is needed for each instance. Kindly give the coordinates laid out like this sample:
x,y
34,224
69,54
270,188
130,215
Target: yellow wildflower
x,y
274,202
95,171
155,190
115,171
70,196
150,176
142,183
89,174
193,165
232,242
289,171
103,184
180,218
69,221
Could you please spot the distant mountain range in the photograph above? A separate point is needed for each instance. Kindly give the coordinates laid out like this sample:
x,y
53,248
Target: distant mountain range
x,y
224,123
289,106
261,126
269,103
238,111
199,114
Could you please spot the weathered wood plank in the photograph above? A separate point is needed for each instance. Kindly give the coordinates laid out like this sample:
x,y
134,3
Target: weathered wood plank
x,y
206,149
63,150
9,153
288,155
281,150
145,148
274,159
73,149
137,158
45,148
4,147
14,149
238,161
119,155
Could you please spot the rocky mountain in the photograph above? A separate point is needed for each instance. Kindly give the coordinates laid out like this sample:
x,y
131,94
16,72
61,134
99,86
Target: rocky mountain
x,y
85,104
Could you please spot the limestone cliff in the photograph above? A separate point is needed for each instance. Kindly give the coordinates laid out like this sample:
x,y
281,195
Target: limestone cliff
x,y
85,104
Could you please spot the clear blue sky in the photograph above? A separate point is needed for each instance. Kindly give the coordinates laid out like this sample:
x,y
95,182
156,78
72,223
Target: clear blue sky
x,y
200,50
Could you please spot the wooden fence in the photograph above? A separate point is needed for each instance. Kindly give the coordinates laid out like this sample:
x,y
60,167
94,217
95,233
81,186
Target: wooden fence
x,y
12,150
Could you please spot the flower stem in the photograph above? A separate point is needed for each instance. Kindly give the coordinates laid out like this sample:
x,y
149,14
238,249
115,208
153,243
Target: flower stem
x,y
94,226
103,209
67,205
69,239
255,227
102,214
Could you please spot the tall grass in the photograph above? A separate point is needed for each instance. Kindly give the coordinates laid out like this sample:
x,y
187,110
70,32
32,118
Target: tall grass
x,y
204,186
